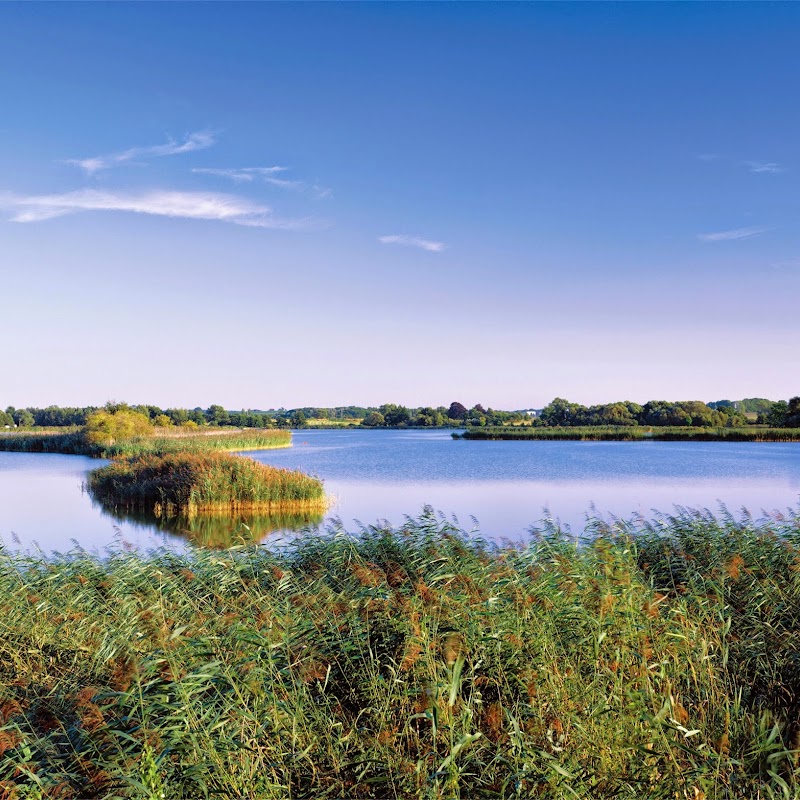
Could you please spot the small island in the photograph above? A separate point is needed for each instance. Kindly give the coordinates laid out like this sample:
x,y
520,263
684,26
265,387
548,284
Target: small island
x,y
186,484
170,473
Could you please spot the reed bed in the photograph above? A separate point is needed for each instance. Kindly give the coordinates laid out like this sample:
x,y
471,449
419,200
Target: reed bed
x,y
658,660
75,442
635,434
185,483
194,442
70,442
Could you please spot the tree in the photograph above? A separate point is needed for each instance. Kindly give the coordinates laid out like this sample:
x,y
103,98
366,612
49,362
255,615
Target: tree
x,y
179,416
298,419
24,418
611,414
793,413
457,411
428,418
395,416
217,415
777,415
562,412
107,427
373,420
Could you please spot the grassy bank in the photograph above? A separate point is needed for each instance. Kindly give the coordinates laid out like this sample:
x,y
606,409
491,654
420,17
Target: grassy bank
x,y
71,442
635,433
75,442
184,484
658,661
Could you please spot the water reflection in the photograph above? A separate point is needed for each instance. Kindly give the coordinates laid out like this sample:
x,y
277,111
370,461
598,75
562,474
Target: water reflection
x,y
502,488
219,531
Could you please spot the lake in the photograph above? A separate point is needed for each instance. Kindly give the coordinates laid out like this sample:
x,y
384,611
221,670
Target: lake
x,y
500,487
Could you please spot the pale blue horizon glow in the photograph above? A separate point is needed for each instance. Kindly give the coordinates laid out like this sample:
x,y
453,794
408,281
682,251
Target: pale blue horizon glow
x,y
275,205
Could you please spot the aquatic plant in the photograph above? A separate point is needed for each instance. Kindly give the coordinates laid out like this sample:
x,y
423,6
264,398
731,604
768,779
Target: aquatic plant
x,y
167,440
184,483
634,434
657,659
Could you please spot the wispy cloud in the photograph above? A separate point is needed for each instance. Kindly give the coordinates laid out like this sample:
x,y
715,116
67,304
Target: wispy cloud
x,y
763,166
185,205
267,175
413,241
752,166
194,141
244,174
727,236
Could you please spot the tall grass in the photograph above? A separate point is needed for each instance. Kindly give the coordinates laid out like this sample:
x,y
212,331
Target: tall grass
x,y
635,433
71,442
658,660
187,483
75,442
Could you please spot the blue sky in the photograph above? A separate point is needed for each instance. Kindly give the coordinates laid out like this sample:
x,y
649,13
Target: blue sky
x,y
266,205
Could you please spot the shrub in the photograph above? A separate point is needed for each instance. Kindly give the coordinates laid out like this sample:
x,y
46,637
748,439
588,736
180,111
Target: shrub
x,y
107,427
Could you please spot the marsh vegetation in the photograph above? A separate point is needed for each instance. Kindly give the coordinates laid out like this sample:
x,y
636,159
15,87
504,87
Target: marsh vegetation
x,y
624,433
187,484
657,660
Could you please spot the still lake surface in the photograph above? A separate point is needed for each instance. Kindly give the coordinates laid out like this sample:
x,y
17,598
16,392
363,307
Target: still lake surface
x,y
502,487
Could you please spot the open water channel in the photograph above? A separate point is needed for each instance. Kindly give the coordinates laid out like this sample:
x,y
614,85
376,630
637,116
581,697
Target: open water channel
x,y
501,488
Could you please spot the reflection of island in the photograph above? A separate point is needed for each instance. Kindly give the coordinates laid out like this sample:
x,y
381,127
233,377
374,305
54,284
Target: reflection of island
x,y
213,499
221,531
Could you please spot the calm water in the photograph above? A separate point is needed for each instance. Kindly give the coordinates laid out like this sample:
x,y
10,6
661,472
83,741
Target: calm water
x,y
501,487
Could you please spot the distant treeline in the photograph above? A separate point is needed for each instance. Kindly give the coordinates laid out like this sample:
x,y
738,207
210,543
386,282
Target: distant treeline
x,y
560,412
690,413
387,415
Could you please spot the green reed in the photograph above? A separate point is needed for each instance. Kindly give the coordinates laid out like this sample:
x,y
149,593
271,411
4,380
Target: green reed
x,y
658,660
185,483
74,442
635,433
194,442
69,442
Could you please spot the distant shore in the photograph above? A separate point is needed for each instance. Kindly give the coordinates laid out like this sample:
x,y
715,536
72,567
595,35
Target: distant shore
x,y
634,434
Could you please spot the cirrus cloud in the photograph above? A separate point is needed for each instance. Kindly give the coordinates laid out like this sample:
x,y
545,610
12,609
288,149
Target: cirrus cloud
x,y
186,205
413,241
267,175
194,141
763,166
241,174
727,236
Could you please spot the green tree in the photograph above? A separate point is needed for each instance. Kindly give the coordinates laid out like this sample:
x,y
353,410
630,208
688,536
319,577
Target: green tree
x,y
179,416
395,416
562,412
373,420
217,415
428,417
776,416
24,418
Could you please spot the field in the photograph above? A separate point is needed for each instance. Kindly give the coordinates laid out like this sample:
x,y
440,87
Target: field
x,y
635,434
657,660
